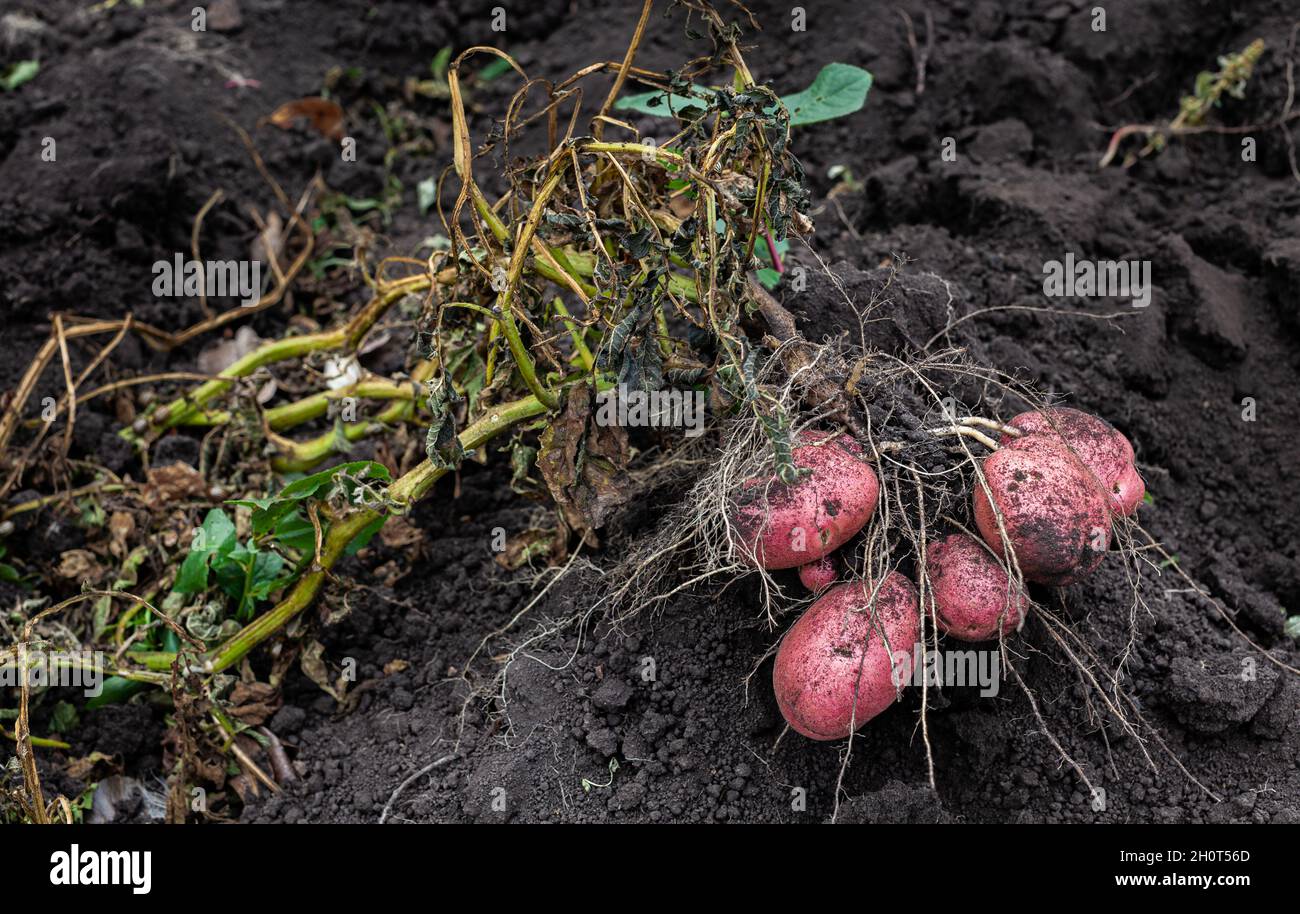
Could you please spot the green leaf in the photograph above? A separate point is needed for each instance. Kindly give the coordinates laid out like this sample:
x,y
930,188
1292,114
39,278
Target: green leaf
x,y
438,66
215,538
18,73
497,67
294,531
217,533
840,89
248,575
426,195
663,104
63,719
116,689
768,275
268,512
1291,628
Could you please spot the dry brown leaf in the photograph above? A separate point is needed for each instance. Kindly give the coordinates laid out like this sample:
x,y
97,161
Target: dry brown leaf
x,y
79,565
326,117
584,464
312,660
79,768
533,544
173,483
254,703
121,526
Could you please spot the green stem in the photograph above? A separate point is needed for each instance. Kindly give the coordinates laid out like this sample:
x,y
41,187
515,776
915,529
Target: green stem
x,y
406,490
575,333
189,408
293,414
301,456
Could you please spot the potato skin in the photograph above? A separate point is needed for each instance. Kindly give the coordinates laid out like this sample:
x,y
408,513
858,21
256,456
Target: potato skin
x,y
837,645
972,593
820,512
1102,448
818,575
1057,518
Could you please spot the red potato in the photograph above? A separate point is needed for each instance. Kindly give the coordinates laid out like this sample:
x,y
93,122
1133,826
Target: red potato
x,y
1102,448
837,653
974,600
818,575
1056,517
785,526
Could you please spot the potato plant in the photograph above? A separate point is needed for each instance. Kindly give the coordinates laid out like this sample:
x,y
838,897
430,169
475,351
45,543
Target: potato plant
x,y
614,262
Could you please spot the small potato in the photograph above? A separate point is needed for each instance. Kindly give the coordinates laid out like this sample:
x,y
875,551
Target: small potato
x,y
818,575
974,600
1056,517
834,670
1102,448
785,526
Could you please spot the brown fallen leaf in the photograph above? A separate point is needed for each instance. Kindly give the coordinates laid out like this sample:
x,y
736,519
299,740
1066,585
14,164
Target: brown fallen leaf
x,y
79,565
325,116
173,483
121,525
313,664
80,768
547,546
254,703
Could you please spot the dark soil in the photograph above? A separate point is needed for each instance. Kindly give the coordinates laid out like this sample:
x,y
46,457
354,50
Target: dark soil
x,y
131,96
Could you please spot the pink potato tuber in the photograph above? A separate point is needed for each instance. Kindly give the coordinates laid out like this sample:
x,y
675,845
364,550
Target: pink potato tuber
x,y
1057,518
818,575
785,526
974,600
834,670
1103,449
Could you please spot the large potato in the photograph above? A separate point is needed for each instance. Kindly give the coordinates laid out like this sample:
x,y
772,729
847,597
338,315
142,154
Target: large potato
x,y
834,670
1102,448
785,526
1056,517
974,600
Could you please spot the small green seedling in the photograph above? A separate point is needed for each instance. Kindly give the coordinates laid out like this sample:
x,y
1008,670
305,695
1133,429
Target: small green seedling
x,y
588,785
14,75
1207,94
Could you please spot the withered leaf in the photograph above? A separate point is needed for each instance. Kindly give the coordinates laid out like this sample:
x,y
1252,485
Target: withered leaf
x,y
79,565
325,116
313,664
254,703
81,768
584,463
173,483
121,526
533,544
